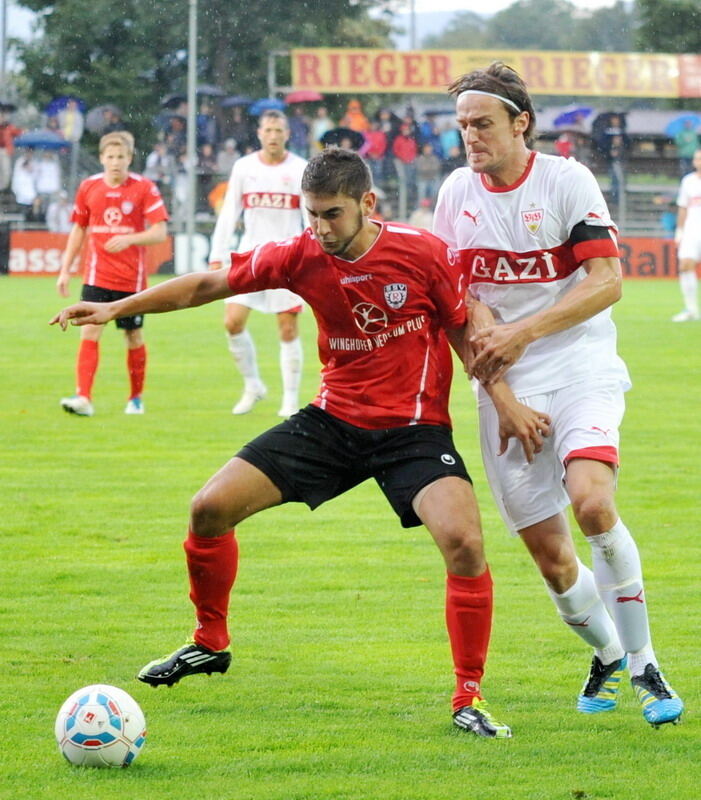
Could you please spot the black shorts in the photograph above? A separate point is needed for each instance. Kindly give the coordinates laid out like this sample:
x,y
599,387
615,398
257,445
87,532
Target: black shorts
x,y
313,457
96,294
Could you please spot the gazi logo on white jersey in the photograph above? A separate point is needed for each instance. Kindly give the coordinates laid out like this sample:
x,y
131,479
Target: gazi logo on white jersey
x,y
496,266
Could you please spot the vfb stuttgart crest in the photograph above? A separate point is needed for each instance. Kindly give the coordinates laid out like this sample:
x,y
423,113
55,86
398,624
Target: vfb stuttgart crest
x,y
532,219
395,295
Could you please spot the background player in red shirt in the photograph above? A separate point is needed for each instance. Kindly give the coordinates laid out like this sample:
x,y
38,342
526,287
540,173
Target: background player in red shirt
x,y
384,296
119,212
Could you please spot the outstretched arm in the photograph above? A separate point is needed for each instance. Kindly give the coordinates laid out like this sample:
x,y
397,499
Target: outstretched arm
x,y
187,291
500,346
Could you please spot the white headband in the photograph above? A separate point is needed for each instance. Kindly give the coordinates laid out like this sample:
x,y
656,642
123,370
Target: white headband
x,y
491,94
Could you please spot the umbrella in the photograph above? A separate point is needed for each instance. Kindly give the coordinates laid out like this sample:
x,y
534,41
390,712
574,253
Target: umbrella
x,y
266,104
173,100
572,116
96,120
42,139
337,135
236,100
59,103
303,96
679,123
207,90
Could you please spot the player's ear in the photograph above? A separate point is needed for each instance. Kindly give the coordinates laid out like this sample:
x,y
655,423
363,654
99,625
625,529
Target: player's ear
x,y
521,122
367,203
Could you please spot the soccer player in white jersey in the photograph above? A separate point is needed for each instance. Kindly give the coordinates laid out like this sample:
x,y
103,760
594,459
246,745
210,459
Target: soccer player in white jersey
x,y
688,237
539,251
265,186
387,298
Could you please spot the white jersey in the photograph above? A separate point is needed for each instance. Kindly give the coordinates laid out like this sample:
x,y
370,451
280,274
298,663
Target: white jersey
x,y
270,197
516,250
689,197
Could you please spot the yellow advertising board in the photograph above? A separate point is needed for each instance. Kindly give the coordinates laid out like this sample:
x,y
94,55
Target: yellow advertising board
x,y
357,70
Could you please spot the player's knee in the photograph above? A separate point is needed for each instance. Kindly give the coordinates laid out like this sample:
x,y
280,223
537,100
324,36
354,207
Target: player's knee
x,y
287,331
207,516
234,326
594,512
462,549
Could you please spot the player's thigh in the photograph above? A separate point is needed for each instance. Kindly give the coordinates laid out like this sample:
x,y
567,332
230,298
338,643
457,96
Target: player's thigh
x,y
237,491
586,421
689,250
525,493
448,508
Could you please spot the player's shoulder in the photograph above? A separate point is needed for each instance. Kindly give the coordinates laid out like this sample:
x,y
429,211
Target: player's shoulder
x,y
458,176
401,235
294,160
564,167
92,180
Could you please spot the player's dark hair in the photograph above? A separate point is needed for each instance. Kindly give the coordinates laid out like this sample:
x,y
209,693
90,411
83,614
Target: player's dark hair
x,y
500,79
337,171
272,113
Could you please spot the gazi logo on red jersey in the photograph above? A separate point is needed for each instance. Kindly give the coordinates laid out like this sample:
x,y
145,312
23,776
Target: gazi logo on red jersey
x,y
281,200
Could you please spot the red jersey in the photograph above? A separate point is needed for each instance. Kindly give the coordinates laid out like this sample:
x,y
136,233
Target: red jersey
x,y
386,361
111,210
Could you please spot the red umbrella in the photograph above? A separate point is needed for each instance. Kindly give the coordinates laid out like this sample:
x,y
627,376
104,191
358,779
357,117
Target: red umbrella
x,y
303,96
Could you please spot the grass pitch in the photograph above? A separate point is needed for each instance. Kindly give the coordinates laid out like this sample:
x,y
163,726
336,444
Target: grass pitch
x,y
341,680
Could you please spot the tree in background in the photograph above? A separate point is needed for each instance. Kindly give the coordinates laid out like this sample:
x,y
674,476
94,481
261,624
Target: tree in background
x,y
133,53
669,26
541,25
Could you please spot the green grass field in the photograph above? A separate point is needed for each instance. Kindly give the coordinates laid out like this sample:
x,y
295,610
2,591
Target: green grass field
x,y
341,682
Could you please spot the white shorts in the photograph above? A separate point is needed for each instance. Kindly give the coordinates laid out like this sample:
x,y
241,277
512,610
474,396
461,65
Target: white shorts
x,y
690,246
269,301
585,418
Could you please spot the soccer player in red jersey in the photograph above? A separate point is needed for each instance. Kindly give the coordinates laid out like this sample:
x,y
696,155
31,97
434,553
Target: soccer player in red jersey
x,y
119,213
387,298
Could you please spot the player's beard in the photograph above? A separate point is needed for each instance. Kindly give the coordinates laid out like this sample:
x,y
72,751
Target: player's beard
x,y
342,246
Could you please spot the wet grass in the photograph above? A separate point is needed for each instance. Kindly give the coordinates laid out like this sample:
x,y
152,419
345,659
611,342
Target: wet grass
x,y
341,680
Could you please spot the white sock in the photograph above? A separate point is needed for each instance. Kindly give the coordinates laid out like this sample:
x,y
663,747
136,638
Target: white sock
x,y
689,286
291,359
618,576
243,350
581,608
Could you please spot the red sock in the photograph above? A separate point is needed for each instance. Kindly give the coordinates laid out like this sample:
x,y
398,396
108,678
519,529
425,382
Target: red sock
x,y
468,614
136,364
86,367
211,563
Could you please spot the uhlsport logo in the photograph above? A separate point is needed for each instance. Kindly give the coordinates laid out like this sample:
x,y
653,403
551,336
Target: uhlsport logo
x,y
446,458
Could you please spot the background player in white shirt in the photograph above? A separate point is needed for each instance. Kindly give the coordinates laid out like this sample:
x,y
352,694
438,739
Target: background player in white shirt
x,y
539,251
265,186
688,237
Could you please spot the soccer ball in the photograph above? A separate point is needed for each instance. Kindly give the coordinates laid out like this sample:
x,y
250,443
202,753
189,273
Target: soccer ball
x,y
100,726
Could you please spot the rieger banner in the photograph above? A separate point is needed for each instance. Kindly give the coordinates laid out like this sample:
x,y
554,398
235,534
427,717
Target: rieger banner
x,y
361,70
39,253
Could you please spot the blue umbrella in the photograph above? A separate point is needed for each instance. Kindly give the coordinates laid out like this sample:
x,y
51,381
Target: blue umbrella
x,y
42,139
679,123
236,100
572,116
59,103
266,104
